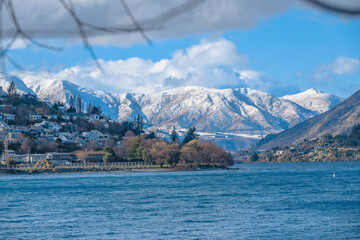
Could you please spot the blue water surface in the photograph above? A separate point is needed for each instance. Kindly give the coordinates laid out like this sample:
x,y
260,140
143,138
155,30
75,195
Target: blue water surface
x,y
258,201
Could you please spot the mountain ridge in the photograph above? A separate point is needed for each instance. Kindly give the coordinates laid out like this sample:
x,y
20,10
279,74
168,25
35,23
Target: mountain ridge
x,y
218,113
338,120
314,100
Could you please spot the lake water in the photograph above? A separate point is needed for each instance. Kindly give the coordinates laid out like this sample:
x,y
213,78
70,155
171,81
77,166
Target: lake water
x,y
259,201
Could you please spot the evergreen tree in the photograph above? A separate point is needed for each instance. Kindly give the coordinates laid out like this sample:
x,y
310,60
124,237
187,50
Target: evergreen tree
x,y
89,107
151,136
174,135
138,125
190,135
254,157
72,101
79,104
55,107
99,109
12,89
94,110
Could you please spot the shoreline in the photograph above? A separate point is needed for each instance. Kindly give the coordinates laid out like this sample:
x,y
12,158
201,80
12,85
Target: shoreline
x,y
76,170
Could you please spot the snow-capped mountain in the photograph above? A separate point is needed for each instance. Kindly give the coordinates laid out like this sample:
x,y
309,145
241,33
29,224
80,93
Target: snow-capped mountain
x,y
54,90
236,111
217,113
21,87
314,100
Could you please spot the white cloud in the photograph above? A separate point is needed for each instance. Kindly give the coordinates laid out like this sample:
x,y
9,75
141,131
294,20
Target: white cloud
x,y
342,65
49,19
256,80
214,64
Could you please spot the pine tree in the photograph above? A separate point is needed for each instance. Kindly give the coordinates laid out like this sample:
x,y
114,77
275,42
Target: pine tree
x,y
89,107
11,89
174,135
79,104
138,124
190,135
72,101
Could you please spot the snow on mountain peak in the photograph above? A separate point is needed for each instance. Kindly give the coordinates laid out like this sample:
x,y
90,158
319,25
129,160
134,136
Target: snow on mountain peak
x,y
314,100
235,111
312,91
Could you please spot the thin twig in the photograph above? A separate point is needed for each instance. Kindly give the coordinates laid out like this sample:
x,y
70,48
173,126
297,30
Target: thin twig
x,y
9,45
84,28
14,63
136,24
333,8
70,8
23,33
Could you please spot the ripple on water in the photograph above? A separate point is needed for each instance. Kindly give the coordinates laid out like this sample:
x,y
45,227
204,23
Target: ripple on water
x,y
259,201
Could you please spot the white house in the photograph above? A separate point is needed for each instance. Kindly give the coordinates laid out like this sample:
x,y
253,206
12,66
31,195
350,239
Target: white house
x,y
49,117
94,135
12,156
49,126
36,116
33,158
6,116
4,126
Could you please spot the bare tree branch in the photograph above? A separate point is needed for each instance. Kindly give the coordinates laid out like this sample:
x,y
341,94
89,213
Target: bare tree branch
x,y
14,63
70,8
23,33
136,24
172,13
9,45
333,8
84,29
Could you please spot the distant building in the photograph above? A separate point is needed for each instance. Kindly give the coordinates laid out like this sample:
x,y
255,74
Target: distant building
x,y
4,126
50,117
50,127
58,158
33,158
89,156
36,116
12,156
94,135
6,116
29,96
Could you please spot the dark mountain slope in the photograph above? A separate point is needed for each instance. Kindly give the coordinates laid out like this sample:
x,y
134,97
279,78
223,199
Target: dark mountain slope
x,y
338,120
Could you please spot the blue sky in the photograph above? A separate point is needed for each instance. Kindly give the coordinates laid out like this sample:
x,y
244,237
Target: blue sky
x,y
285,53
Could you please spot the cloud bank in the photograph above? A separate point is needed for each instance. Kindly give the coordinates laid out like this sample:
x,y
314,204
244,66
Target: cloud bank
x,y
342,65
49,19
214,64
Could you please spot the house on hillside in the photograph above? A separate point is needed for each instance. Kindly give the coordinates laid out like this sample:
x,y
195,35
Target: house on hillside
x,y
14,136
69,126
51,117
49,127
7,116
35,133
30,96
99,117
35,116
4,126
94,135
